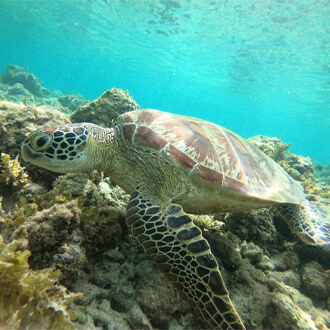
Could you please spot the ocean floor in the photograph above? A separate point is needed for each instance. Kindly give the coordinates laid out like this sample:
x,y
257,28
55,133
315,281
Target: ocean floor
x,y
67,260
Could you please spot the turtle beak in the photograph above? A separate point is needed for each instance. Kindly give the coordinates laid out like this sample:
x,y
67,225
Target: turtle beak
x,y
28,155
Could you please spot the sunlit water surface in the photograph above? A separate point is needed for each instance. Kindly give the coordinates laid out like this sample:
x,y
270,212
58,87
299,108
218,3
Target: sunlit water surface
x,y
256,67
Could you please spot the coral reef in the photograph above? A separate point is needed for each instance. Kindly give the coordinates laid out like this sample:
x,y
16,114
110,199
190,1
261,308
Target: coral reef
x,y
70,230
21,87
11,172
322,176
16,74
18,121
105,109
299,167
28,298
71,102
55,240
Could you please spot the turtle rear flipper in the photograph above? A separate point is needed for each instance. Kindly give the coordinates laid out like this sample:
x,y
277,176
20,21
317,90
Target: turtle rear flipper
x,y
309,221
170,238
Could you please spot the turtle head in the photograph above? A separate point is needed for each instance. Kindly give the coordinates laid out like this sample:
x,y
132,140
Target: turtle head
x,y
59,149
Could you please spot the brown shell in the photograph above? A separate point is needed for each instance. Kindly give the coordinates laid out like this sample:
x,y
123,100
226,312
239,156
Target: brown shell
x,y
211,152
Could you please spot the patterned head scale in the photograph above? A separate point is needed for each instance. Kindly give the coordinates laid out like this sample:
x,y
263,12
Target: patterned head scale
x,y
51,147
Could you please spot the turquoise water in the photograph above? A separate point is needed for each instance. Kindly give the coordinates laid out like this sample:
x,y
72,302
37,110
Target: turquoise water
x,y
256,67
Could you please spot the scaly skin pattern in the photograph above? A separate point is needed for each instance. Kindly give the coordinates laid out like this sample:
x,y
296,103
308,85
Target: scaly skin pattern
x,y
308,221
170,238
171,165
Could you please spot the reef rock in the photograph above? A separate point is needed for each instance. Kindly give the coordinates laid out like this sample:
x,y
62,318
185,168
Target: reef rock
x,y
76,224
314,280
72,101
21,87
295,165
16,74
18,121
105,109
298,167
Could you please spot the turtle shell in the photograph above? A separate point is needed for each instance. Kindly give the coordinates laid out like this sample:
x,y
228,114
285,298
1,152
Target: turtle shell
x,y
212,153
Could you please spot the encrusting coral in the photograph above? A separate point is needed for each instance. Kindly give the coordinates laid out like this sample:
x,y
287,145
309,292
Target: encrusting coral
x,y
11,171
30,299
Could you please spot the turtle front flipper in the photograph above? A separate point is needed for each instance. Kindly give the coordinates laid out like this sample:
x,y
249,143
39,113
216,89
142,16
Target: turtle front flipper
x,y
170,238
310,222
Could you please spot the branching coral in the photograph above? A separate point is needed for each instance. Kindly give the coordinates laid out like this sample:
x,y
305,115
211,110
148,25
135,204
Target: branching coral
x,y
30,299
11,171
273,147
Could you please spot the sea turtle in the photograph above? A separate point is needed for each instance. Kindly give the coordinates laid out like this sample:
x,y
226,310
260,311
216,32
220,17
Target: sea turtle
x,y
172,164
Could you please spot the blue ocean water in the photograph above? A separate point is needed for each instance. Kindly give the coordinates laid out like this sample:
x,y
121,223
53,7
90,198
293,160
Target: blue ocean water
x,y
254,66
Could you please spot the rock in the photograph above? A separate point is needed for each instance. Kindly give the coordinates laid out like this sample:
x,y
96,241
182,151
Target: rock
x,y
288,277
251,251
18,89
16,74
314,280
137,319
285,261
72,102
288,315
256,226
105,109
158,299
44,92
107,317
55,240
90,291
291,309
266,264
18,121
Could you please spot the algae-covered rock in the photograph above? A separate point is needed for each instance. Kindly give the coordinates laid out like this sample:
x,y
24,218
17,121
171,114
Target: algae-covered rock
x,y
18,121
11,172
72,101
19,86
16,74
288,315
105,109
30,299
288,277
290,309
151,286
253,226
251,251
55,239
295,165
314,280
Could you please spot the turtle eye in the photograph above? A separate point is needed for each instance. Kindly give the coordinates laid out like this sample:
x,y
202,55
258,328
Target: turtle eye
x,y
41,142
